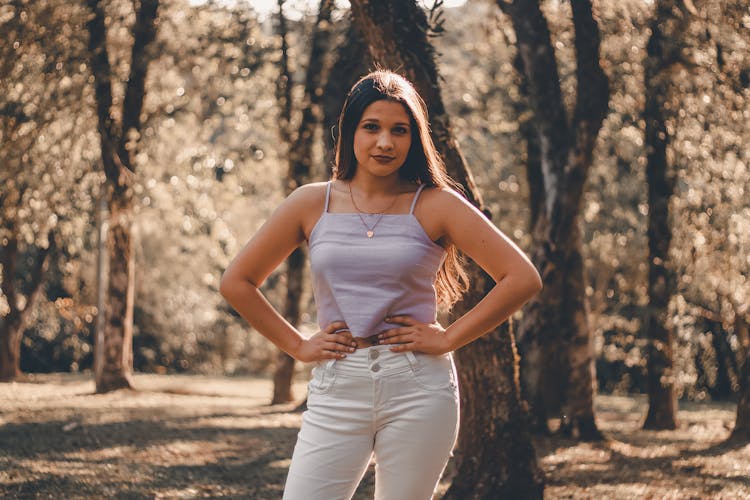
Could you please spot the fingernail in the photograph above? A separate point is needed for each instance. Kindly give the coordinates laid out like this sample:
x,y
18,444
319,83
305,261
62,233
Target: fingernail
x,y
387,318
351,349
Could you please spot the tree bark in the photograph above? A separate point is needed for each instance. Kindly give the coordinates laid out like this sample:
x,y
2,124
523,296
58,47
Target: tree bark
x,y
14,323
554,331
352,62
118,145
300,166
495,456
282,377
721,389
533,160
531,363
741,431
10,327
663,51
284,83
101,281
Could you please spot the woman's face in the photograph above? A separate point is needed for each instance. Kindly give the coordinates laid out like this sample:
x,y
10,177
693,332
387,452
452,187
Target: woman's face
x,y
383,138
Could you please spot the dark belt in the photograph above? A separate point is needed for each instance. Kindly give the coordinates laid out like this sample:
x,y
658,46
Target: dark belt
x,y
366,341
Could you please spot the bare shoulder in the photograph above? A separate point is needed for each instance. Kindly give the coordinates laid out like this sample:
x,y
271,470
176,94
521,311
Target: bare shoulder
x,y
306,198
445,200
437,204
308,201
310,193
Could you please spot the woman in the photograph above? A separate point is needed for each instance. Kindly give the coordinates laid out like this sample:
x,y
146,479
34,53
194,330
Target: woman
x,y
383,235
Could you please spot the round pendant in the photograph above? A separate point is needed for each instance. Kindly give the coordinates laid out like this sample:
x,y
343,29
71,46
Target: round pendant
x,y
369,234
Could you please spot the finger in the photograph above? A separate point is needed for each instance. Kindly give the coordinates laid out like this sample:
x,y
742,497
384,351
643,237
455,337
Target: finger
x,y
336,325
341,333
333,346
402,319
333,355
403,347
394,339
393,332
342,339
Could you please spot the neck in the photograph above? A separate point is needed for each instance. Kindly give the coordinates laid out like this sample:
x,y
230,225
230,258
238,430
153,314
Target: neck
x,y
376,187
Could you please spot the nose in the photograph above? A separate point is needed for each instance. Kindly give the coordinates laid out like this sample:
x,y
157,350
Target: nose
x,y
384,141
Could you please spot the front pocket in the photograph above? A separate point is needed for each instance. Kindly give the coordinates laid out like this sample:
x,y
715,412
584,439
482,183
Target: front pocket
x,y
323,378
434,373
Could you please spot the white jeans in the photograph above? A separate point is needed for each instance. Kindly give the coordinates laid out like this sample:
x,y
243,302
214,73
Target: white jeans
x,y
403,407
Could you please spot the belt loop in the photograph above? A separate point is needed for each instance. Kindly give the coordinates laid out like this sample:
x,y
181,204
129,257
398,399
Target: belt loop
x,y
412,360
328,372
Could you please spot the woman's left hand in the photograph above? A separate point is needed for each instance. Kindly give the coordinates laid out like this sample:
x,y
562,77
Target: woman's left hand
x,y
414,335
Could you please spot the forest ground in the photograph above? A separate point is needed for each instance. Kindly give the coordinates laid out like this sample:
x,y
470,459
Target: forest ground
x,y
183,436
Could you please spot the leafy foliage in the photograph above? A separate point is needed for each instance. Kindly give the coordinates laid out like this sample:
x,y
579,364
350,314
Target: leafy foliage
x,y
210,171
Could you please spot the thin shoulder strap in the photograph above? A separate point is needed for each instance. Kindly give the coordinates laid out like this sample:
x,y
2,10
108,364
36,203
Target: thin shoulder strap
x,y
414,202
328,195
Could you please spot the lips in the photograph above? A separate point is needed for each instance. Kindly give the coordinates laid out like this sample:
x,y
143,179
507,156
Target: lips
x,y
383,158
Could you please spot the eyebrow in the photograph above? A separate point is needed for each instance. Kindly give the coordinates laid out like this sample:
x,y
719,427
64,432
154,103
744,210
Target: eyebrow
x,y
378,121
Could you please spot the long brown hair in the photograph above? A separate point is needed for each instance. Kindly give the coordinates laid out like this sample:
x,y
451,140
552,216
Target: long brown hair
x,y
423,164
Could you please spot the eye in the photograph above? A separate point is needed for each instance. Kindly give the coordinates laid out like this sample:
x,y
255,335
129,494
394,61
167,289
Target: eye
x,y
370,126
401,130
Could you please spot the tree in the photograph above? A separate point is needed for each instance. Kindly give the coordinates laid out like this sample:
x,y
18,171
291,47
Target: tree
x,y
495,456
40,89
352,62
209,140
299,173
557,355
119,140
282,377
741,431
664,51
14,323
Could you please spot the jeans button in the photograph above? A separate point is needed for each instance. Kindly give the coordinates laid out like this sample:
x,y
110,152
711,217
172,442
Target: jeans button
x,y
374,354
375,367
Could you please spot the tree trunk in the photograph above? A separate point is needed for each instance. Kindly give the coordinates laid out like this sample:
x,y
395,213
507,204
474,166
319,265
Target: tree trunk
x,y
14,323
352,62
534,174
554,329
10,326
118,145
101,282
284,83
741,431
300,166
117,363
721,389
531,361
282,377
10,350
495,456
578,404
663,51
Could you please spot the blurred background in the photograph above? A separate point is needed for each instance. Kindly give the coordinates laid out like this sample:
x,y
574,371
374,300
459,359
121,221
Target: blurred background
x,y
223,101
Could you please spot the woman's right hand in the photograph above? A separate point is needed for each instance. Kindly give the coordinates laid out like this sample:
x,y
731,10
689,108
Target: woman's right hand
x,y
330,343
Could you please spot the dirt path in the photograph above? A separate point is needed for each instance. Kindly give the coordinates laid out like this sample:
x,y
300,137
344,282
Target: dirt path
x,y
193,437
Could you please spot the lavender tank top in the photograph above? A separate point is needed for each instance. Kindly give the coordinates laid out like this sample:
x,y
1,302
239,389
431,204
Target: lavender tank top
x,y
362,280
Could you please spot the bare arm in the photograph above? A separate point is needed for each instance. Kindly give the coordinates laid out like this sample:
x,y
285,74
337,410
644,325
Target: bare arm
x,y
274,241
516,280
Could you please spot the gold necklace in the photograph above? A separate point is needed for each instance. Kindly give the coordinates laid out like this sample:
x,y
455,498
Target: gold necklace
x,y
370,230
